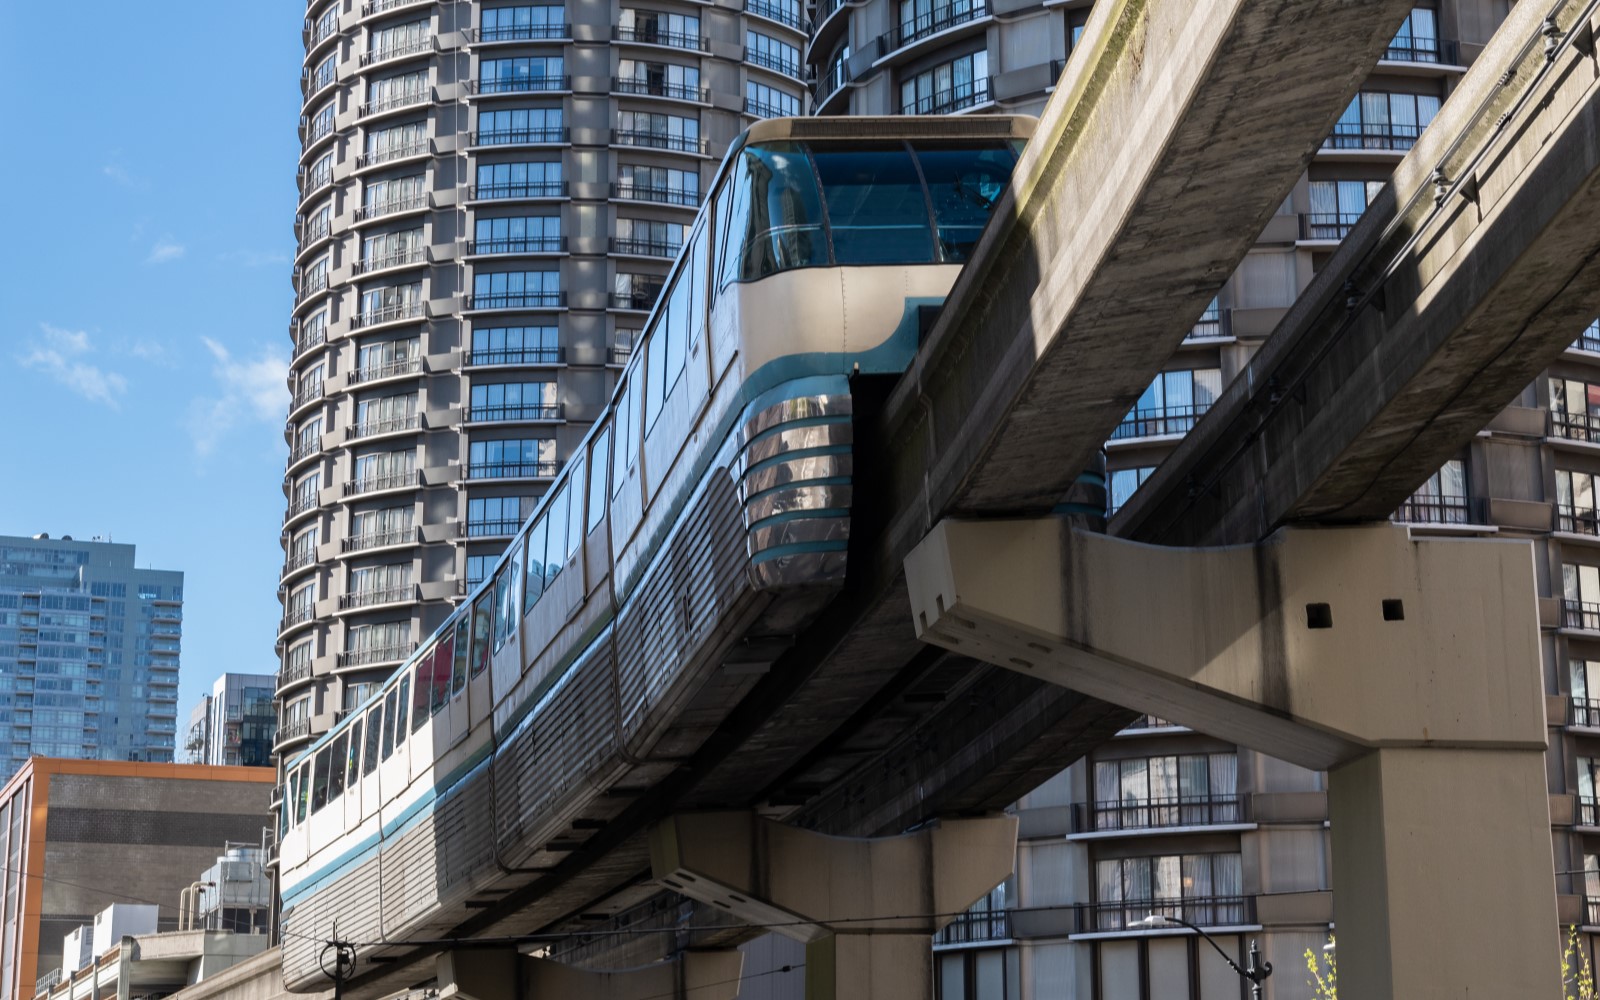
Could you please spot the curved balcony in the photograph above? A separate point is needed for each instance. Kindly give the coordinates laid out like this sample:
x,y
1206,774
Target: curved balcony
x,y
383,483
944,102
372,656
636,87
937,21
316,284
1164,421
527,85
663,39
514,356
316,33
761,109
296,618
297,561
373,598
535,413
382,426
404,50
786,15
290,734
393,103
313,87
656,195
519,33
386,370
521,137
294,674
517,300
302,451
390,261
646,248
830,27
372,8
533,245
313,183
513,470
370,540
526,191
772,63
660,140
305,396
401,313
314,129
391,154
300,506
308,342
390,207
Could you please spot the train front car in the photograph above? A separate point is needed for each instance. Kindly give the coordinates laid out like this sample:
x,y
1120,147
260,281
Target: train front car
x,y
703,521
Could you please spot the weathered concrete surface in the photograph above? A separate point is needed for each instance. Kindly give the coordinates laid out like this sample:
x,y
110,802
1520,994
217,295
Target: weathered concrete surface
x,y
1340,417
506,974
1408,668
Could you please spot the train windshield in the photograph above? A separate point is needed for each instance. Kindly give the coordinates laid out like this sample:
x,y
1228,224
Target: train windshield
x,y
797,204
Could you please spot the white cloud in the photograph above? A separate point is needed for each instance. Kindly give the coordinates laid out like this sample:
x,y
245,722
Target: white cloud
x,y
61,355
118,173
164,250
249,390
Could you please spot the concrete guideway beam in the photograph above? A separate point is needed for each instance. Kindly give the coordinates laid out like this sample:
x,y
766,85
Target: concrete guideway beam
x,y
866,908
1407,668
1469,274
1174,134
507,974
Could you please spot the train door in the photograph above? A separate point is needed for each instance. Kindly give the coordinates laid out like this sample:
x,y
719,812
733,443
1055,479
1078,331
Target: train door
x,y
462,694
371,741
351,803
394,769
421,739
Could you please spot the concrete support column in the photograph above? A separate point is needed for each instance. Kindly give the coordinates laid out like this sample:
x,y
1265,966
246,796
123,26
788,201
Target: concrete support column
x,y
866,908
1406,668
506,974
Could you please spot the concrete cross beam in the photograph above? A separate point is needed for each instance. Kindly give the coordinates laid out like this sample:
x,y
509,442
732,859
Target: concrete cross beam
x,y
1407,668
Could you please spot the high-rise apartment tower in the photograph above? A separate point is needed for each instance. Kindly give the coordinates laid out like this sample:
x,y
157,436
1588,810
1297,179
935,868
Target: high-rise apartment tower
x,y
490,196
89,649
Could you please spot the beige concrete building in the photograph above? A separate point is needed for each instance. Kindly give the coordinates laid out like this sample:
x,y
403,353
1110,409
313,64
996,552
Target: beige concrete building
x,y
490,195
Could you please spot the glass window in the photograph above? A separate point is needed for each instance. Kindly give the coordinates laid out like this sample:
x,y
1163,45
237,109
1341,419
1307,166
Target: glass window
x,y
421,686
776,213
319,780
534,551
402,705
460,648
443,658
388,723
765,101
952,86
482,632
597,483
374,734
963,185
877,212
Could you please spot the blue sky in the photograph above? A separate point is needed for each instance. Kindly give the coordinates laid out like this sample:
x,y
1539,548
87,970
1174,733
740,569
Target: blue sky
x,y
145,296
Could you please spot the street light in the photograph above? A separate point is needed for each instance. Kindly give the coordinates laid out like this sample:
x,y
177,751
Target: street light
x,y
1256,971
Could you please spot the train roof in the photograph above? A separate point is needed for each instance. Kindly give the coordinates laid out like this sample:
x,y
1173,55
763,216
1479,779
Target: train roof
x,y
891,127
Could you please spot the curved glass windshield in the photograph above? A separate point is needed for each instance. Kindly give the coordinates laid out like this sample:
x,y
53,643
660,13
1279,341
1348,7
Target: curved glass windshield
x,y
792,204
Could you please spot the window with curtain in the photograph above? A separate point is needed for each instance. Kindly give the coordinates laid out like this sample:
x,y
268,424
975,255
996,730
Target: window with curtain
x,y
1383,121
1336,206
1123,483
1171,404
1418,38
1203,889
1164,791
1441,499
1580,591
1575,409
952,86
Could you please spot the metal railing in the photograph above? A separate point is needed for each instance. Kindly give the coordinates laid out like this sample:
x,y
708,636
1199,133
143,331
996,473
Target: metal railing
x,y
518,300
388,314
299,505
308,341
768,61
396,152
378,595
294,672
46,981
520,85
520,33
761,109
1396,137
938,19
1155,813
531,244
1160,422
1588,811
372,484
1423,50
502,414
1327,225
311,233
659,88
785,16
372,7
618,355
384,425
519,136
373,654
1575,426
1583,712
516,356
313,284
513,470
1202,911
293,731
303,450
646,248
942,102
1577,520
1435,510
400,258
976,927
531,189
388,369
376,539
641,301
395,102
1580,614
1588,340
659,140
423,44
390,206
661,195
490,529
651,36
1210,325
1149,722
316,128
297,616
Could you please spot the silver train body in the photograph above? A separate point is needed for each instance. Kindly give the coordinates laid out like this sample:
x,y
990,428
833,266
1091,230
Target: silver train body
x,y
709,506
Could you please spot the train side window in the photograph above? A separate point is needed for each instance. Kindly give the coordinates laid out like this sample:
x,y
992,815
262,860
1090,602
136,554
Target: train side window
x,y
599,456
575,499
697,285
369,758
677,312
388,724
458,680
352,771
627,431
295,808
556,551
441,673
502,593
336,765
534,588
422,681
737,222
319,781
402,704
482,629
304,802
781,223
655,377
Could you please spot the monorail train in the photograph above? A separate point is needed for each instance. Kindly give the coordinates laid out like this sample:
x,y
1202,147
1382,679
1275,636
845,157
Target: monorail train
x,y
710,504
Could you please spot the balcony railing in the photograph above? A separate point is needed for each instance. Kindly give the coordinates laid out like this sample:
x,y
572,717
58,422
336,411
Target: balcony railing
x,y
641,301
976,927
1155,813
1393,136
767,60
1149,722
1423,50
299,505
1580,614
387,369
784,15
942,102
531,189
652,36
490,529
398,151
1202,911
513,470
293,731
1588,811
1327,225
1159,422
401,258
315,230
307,341
389,206
660,195
659,88
304,449
312,284
372,484
294,672
297,616
516,356
1583,712
1588,340
1577,520
373,654
761,109
533,244
378,595
389,314
391,103
1575,426
397,51
939,19
376,539
520,136
517,300
379,6
316,128
520,33
619,354
1212,323
646,248
501,414
660,140
1435,510
520,85
384,425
